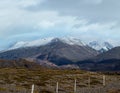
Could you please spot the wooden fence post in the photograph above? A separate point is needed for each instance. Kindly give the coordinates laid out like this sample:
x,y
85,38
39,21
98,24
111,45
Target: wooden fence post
x,y
104,79
32,91
75,89
89,82
57,87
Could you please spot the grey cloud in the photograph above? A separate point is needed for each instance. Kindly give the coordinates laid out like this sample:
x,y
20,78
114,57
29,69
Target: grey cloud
x,y
94,10
85,18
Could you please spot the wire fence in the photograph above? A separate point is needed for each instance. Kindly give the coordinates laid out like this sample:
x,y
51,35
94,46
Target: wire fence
x,y
103,88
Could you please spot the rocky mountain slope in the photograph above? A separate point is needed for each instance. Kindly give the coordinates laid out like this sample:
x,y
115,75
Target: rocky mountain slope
x,y
66,53
57,52
44,41
108,61
100,46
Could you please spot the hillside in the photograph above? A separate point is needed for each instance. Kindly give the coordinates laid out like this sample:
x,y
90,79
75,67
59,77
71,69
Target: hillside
x,y
111,54
18,64
107,61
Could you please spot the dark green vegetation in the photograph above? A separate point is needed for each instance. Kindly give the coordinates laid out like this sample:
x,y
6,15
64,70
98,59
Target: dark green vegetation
x,y
19,80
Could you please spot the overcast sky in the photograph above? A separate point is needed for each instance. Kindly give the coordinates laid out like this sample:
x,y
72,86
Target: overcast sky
x,y
26,20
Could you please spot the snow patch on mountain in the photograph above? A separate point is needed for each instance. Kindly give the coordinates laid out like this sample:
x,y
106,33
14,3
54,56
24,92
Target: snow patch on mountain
x,y
39,42
100,46
72,41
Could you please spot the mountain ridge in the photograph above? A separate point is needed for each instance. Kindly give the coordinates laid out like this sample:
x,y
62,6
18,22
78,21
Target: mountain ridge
x,y
58,53
100,46
44,41
55,48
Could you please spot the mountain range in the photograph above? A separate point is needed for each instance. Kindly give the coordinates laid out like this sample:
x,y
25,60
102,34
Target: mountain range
x,y
107,61
66,52
100,46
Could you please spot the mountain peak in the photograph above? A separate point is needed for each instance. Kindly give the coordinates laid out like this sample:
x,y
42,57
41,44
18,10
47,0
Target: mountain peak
x,y
40,42
100,46
73,41
55,40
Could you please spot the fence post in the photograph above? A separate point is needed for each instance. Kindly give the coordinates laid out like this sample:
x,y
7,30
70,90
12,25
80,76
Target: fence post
x,y
32,91
57,87
75,89
89,82
104,79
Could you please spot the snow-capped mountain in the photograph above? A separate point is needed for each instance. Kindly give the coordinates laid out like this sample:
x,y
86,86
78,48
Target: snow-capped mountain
x,y
59,51
100,46
40,42
73,41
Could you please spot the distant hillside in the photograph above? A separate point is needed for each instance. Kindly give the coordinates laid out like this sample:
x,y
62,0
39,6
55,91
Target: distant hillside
x,y
18,64
111,54
108,61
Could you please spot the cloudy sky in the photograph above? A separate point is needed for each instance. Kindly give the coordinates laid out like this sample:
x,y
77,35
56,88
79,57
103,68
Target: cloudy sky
x,y
26,20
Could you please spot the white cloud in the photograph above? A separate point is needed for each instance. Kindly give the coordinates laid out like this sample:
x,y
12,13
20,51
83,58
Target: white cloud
x,y
19,3
26,3
17,17
16,22
93,1
46,24
96,27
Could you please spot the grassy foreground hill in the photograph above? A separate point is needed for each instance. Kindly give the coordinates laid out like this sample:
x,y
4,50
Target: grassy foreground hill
x,y
20,80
